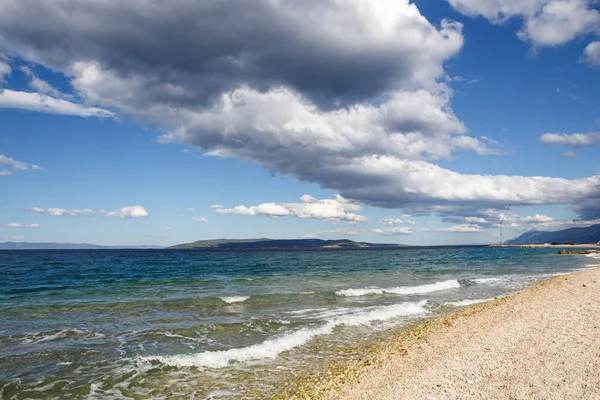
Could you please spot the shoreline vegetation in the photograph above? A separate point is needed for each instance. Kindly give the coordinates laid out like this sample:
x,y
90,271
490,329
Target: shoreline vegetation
x,y
542,342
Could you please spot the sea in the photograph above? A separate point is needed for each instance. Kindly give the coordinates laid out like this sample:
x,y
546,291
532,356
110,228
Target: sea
x,y
167,324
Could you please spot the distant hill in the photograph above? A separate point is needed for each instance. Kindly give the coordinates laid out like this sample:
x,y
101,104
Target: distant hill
x,y
590,234
279,244
64,246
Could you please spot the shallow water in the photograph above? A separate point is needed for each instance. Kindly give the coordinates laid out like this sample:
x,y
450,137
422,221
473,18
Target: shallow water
x,y
163,323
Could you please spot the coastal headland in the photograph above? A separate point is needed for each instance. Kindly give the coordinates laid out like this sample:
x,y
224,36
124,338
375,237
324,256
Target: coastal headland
x,y
541,343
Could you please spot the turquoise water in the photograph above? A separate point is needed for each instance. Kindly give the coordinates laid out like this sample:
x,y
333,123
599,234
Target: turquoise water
x,y
160,324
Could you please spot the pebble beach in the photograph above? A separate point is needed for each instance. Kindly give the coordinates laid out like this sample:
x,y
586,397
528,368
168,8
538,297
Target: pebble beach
x,y
541,343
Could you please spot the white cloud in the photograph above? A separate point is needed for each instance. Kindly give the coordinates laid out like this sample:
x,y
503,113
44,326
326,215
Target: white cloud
x,y
395,221
5,71
18,237
43,103
310,207
334,232
60,212
19,225
464,228
575,139
544,223
168,228
129,212
393,231
545,22
591,54
569,154
191,209
15,166
199,219
40,85
349,95
475,220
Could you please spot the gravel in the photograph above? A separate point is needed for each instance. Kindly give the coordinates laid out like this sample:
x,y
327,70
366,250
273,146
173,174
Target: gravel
x,y
543,343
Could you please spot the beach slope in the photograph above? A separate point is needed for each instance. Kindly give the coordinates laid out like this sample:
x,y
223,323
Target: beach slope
x,y
543,343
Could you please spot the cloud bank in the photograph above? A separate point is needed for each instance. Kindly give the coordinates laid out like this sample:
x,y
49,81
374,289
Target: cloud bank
x,y
349,95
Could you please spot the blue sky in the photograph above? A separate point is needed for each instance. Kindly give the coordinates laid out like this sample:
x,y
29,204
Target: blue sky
x,y
412,123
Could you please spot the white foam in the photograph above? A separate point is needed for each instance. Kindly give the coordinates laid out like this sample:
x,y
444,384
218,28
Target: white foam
x,y
467,302
487,280
234,299
40,338
306,311
405,290
272,347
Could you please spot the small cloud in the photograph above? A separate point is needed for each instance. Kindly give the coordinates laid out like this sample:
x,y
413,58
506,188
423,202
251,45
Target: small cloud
x,y
463,228
395,221
574,139
191,209
168,228
13,165
18,237
18,225
393,231
569,154
337,209
591,54
129,212
337,232
62,212
199,219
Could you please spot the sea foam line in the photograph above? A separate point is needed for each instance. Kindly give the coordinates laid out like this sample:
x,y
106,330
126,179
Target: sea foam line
x,y
234,299
467,302
406,290
271,348
487,280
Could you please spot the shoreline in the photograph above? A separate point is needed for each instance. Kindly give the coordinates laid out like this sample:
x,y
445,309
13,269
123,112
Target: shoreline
x,y
492,350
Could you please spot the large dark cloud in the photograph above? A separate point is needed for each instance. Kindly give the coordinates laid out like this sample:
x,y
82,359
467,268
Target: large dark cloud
x,y
347,94
329,51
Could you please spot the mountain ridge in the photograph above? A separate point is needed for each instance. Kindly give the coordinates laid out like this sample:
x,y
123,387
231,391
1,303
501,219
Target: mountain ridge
x,y
586,235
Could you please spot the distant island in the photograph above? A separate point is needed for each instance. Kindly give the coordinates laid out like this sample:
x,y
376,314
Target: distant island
x,y
280,244
587,235
64,246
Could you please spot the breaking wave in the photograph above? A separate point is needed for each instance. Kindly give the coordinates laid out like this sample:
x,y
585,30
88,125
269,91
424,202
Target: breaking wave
x,y
234,299
403,290
271,348
467,302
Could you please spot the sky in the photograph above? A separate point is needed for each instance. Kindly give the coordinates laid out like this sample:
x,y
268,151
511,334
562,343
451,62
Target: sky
x,y
394,121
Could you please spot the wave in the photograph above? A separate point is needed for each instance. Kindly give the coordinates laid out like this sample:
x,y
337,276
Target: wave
x,y
271,348
487,280
63,334
234,299
403,290
467,302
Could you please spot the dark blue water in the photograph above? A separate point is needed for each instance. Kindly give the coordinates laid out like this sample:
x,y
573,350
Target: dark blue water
x,y
161,323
